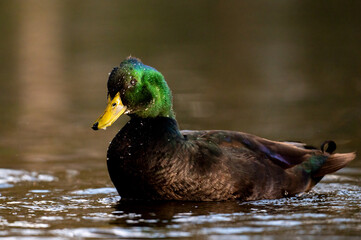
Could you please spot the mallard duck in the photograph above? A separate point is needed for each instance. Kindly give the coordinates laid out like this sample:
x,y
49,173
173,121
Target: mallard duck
x,y
150,158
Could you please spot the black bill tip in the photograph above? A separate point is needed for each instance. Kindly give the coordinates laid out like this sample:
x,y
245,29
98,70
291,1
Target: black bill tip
x,y
95,126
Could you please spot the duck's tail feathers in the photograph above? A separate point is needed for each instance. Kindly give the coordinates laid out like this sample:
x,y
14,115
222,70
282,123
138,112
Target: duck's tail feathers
x,y
333,163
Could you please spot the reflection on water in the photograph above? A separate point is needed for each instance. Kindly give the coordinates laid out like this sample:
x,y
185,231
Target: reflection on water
x,y
286,70
42,209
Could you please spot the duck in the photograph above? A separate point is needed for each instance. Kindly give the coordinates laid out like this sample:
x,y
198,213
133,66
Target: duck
x,y
150,158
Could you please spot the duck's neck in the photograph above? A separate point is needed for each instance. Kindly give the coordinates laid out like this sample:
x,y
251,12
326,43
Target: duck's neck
x,y
156,127
146,133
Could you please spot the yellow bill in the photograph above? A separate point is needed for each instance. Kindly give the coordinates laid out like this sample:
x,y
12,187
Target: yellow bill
x,y
112,112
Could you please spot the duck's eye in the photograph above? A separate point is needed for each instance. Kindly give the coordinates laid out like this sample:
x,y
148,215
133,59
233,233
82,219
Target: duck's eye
x,y
133,82
114,104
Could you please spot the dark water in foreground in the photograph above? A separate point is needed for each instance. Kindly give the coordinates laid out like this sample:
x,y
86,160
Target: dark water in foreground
x,y
284,70
41,205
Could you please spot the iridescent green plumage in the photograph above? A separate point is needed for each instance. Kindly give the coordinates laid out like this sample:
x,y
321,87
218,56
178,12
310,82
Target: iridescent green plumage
x,y
144,90
150,158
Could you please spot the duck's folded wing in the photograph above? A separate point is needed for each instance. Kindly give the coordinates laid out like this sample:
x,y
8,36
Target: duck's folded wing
x,y
284,154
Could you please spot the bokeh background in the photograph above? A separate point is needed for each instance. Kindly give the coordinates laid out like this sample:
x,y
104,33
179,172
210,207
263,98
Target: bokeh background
x,y
284,70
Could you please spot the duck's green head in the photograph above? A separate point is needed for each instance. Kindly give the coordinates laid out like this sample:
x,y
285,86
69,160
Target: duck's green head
x,y
137,90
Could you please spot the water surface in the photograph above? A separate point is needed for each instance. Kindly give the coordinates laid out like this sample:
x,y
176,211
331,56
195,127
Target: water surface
x,y
284,71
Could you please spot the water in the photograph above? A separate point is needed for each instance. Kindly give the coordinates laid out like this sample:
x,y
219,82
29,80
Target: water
x,y
286,70
41,205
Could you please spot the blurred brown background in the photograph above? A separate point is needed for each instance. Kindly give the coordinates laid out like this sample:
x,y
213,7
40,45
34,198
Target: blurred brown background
x,y
286,70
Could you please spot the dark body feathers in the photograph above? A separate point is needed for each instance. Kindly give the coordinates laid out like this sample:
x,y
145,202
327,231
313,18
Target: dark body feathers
x,y
151,159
